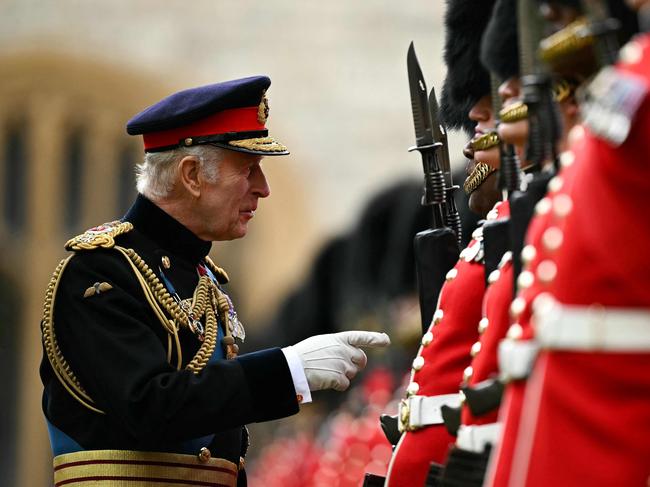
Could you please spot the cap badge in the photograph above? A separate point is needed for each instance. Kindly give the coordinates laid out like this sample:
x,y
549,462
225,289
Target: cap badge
x,y
263,110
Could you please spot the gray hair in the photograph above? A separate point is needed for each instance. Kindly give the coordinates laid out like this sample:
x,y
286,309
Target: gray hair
x,y
156,176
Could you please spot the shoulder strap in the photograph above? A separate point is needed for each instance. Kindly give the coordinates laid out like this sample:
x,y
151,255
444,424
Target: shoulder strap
x,y
102,236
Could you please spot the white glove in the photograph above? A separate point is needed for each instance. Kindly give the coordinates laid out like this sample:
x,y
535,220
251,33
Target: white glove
x,y
330,361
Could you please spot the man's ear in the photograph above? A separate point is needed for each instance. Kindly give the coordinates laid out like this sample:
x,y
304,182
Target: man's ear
x,y
189,169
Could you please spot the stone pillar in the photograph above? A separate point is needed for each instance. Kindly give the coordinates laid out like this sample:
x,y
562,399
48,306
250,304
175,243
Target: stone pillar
x,y
40,254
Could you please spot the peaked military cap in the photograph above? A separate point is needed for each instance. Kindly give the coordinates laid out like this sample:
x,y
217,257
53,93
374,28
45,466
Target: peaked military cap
x,y
466,81
231,114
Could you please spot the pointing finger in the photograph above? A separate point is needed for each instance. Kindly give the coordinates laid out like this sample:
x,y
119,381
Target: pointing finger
x,y
365,338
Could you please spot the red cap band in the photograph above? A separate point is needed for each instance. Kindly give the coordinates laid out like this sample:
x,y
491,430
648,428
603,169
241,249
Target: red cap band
x,y
233,120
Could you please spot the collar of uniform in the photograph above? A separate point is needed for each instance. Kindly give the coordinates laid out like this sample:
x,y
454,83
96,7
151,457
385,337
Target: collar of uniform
x,y
167,232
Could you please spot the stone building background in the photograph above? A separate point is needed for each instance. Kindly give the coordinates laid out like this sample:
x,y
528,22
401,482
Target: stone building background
x,y
73,71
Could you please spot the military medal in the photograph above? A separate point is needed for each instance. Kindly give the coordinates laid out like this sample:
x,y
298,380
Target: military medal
x,y
234,325
611,102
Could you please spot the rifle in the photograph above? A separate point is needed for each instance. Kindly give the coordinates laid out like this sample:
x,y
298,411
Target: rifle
x,y
603,28
436,249
451,216
544,128
543,117
495,232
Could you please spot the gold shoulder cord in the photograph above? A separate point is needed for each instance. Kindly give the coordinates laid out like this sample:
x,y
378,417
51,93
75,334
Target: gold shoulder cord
x,y
206,302
61,368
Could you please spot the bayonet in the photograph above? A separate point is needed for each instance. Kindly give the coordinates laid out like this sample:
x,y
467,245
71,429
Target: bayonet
x,y
434,184
436,249
452,218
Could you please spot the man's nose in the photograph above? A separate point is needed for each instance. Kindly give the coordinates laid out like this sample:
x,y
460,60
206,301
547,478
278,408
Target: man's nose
x,y
259,185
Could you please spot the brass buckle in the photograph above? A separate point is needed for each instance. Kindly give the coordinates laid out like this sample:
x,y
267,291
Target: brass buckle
x,y
405,416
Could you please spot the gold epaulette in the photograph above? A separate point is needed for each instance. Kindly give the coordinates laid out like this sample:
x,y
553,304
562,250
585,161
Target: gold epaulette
x,y
219,273
102,236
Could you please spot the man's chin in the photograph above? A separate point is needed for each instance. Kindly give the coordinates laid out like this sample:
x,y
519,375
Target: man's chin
x,y
240,231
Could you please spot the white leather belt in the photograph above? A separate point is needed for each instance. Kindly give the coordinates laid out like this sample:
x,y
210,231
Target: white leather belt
x,y
516,358
418,411
476,437
589,328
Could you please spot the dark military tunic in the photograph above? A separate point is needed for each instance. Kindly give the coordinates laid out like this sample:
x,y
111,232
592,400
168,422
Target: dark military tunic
x,y
117,348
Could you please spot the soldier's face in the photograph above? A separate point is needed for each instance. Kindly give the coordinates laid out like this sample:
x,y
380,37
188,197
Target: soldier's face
x,y
515,133
229,203
481,113
483,198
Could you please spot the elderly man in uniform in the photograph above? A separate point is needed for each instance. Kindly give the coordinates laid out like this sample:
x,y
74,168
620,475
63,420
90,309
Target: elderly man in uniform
x,y
142,382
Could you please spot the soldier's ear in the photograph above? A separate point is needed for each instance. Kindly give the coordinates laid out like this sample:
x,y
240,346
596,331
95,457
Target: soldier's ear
x,y
188,171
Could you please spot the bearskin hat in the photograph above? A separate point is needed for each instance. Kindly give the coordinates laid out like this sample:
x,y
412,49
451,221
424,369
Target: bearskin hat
x,y
500,47
466,81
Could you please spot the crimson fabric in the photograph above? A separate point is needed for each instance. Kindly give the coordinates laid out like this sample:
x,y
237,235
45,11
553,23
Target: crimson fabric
x,y
445,359
496,306
233,120
510,412
597,403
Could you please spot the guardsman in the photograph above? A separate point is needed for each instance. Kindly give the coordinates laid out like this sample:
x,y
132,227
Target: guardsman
x,y
445,352
480,429
590,316
142,381
562,51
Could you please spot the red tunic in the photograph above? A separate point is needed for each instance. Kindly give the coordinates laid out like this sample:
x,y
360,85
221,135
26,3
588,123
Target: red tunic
x,y
520,329
446,356
492,328
445,353
584,418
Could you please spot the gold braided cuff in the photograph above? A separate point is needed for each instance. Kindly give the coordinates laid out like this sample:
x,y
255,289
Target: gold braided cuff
x,y
485,141
476,178
141,469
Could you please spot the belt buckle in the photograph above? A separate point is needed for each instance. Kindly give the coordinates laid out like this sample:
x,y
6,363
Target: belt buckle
x,y
404,415
404,423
